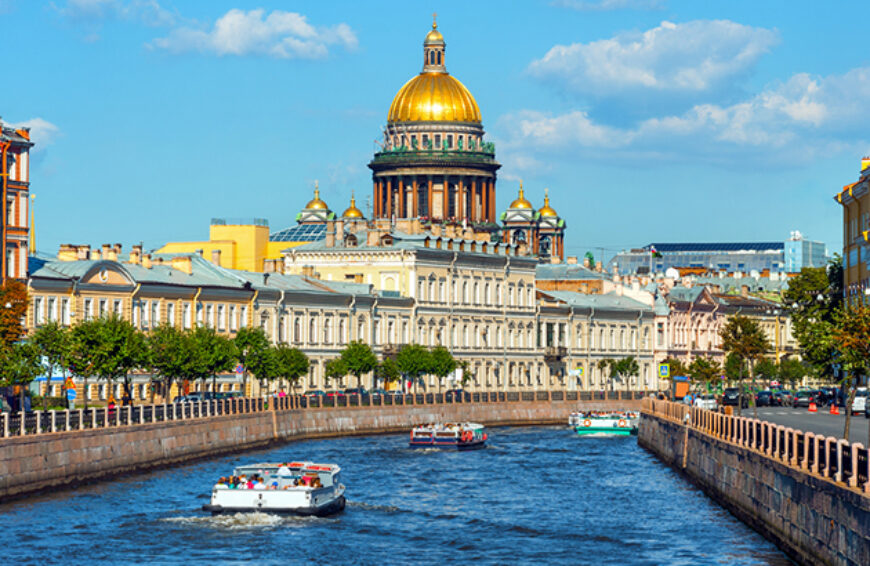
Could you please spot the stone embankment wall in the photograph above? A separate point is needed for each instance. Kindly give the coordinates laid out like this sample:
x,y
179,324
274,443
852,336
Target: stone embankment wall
x,y
40,462
813,518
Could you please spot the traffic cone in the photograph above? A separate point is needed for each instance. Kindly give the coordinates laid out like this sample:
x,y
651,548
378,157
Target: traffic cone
x,y
834,409
813,408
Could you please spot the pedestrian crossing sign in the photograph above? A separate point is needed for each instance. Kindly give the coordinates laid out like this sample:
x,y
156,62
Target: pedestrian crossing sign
x,y
664,370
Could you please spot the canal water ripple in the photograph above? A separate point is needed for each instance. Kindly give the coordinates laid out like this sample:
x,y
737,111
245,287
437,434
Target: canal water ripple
x,y
537,495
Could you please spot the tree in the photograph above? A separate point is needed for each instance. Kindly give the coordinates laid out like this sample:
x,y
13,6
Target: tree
x,y
292,363
608,366
388,370
264,365
767,369
734,368
359,359
414,360
442,362
215,353
13,309
82,354
20,363
625,369
335,368
743,337
122,349
851,334
791,371
813,298
705,370
170,355
250,343
464,368
677,367
52,340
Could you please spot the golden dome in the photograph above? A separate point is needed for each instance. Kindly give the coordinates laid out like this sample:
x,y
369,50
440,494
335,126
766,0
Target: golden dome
x,y
434,36
316,203
352,211
434,97
521,201
546,210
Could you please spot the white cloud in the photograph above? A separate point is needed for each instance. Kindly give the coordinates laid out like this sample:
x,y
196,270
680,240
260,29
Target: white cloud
x,y
692,57
803,117
94,12
42,132
606,5
283,35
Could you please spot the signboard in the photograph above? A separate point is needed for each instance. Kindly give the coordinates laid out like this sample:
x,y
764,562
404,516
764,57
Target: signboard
x,y
240,369
71,394
576,372
664,371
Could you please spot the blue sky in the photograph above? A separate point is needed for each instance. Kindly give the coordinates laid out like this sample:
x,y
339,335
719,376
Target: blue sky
x,y
649,120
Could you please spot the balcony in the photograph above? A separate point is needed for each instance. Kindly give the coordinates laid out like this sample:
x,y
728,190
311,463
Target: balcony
x,y
555,353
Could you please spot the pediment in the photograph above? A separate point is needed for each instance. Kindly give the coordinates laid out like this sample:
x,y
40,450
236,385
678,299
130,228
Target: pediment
x,y
107,274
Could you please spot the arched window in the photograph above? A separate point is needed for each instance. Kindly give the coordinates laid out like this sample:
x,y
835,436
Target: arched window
x,y
312,331
476,293
465,292
431,57
297,330
327,331
486,297
341,332
439,58
361,330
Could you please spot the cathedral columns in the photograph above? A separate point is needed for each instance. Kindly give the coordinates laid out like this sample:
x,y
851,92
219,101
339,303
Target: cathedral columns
x,y
402,211
460,211
389,209
415,205
430,204
445,199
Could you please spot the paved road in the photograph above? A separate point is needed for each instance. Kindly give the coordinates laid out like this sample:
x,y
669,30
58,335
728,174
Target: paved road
x,y
821,422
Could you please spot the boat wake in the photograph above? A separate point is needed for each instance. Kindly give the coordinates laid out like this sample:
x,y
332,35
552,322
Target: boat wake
x,y
240,521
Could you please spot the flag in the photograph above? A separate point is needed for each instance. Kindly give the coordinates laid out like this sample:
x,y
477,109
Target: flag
x,y
654,252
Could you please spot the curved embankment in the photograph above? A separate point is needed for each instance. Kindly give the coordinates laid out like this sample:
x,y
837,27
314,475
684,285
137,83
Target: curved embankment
x,y
36,463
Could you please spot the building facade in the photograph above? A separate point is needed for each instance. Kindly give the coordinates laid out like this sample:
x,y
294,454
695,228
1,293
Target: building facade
x,y
15,147
855,200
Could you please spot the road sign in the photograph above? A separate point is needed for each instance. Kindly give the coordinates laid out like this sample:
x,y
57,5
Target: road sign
x,y
71,394
664,370
240,369
580,371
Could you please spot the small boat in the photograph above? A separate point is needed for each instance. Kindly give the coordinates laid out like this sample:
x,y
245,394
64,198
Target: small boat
x,y
617,423
298,488
456,436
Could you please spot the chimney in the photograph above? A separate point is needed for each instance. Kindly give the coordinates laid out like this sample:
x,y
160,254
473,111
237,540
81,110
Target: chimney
x,y
111,252
599,266
83,252
308,271
339,232
95,255
572,260
183,263
586,263
372,238
146,261
136,254
269,266
216,257
436,230
744,291
330,234
67,252
117,248
106,248
265,279
199,252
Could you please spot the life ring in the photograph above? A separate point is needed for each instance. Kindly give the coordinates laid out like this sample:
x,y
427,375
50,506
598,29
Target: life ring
x,y
621,423
587,423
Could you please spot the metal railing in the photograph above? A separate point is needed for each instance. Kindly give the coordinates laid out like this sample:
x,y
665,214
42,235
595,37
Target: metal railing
x,y
48,422
834,458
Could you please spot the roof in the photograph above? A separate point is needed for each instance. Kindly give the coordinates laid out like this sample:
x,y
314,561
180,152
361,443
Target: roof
x,y
300,233
565,271
685,294
607,301
718,247
11,134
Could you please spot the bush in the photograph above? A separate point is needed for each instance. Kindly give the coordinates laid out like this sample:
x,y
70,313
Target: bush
x,y
36,402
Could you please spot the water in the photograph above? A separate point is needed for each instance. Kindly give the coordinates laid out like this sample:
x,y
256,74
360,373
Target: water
x,y
538,495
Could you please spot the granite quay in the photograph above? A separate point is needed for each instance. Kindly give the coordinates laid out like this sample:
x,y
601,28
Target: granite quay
x,y
808,493
97,444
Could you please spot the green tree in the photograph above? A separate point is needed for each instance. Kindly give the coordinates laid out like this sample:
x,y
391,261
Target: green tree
x,y
13,309
465,369
215,354
743,337
388,370
677,367
813,299
250,343
52,340
359,359
442,363
791,371
734,368
82,354
705,371
851,335
171,356
292,363
766,368
20,364
624,369
335,369
414,361
264,365
607,367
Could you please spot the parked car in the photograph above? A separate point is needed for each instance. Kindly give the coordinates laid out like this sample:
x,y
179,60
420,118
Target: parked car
x,y
229,395
859,403
706,402
731,396
335,393
764,399
783,398
361,391
315,393
807,396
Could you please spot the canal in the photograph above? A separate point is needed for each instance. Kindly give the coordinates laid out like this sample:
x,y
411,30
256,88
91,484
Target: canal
x,y
536,495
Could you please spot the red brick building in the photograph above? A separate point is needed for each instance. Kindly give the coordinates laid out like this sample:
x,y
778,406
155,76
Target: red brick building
x,y
15,147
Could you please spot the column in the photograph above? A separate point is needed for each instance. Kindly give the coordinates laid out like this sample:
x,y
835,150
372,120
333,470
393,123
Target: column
x,y
484,201
430,204
492,214
445,192
401,213
415,205
389,208
474,217
460,210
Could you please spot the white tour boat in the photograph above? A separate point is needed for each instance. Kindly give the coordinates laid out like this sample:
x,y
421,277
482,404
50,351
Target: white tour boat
x,y
618,423
456,436
300,488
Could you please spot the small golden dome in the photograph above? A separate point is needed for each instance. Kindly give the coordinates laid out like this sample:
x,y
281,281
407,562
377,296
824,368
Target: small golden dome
x,y
352,211
434,36
546,210
521,201
434,97
316,203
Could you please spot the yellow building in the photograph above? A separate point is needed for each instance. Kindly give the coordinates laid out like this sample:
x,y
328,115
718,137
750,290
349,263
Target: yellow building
x,y
855,199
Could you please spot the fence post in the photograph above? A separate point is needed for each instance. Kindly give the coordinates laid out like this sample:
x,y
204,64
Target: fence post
x,y
38,421
142,414
174,411
5,425
808,444
853,479
93,417
794,448
54,421
81,419
67,427
827,470
838,477
130,414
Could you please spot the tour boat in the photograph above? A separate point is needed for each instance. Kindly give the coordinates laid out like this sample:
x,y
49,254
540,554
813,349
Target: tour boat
x,y
456,436
619,423
300,488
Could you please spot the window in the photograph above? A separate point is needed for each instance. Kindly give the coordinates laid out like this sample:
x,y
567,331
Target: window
x,y
186,315
103,307
243,317
50,313
116,307
312,331
170,313
38,312
221,320
64,312
437,141
233,323
342,327
155,313
449,141
89,309
209,316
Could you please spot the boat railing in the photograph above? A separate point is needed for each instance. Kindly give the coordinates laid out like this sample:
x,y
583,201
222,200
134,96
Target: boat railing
x,y
60,421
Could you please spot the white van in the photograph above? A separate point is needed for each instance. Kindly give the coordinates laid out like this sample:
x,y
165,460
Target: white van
x,y
859,403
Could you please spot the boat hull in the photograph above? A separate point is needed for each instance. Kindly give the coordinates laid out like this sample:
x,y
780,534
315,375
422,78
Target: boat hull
x,y
473,445
604,431
331,508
